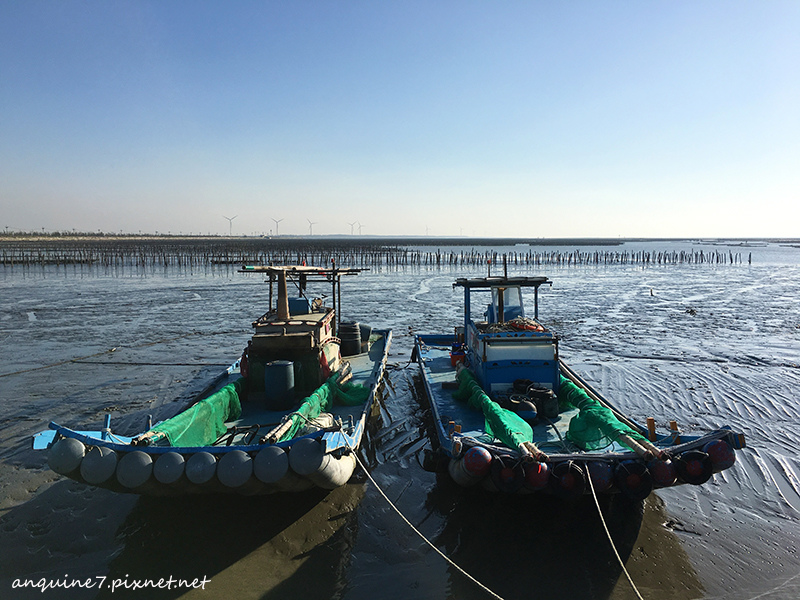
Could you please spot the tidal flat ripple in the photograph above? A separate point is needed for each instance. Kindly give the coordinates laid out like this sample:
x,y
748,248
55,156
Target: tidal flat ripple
x,y
706,345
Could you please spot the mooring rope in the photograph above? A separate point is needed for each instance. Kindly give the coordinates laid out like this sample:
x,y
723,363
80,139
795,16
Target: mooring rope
x,y
447,559
83,359
610,540
148,364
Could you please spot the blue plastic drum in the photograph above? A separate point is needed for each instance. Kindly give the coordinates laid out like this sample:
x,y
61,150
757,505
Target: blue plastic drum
x,y
279,384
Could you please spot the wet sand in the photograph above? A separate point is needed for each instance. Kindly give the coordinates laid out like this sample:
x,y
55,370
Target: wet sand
x,y
734,361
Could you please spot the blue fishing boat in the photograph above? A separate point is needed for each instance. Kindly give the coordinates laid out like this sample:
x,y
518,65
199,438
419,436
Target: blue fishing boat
x,y
509,415
290,414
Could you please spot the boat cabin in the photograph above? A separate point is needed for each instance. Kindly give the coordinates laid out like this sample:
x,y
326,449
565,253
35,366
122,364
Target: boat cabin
x,y
297,329
508,345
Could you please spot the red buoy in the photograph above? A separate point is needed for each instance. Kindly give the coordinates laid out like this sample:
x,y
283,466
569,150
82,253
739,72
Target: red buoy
x,y
477,461
602,475
567,480
721,454
694,467
537,474
507,474
633,479
663,472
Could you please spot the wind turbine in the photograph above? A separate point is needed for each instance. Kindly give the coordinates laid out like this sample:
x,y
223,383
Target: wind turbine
x,y
310,226
351,226
359,227
230,224
276,225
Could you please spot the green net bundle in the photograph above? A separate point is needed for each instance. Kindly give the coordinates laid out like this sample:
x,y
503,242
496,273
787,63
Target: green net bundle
x,y
500,423
322,400
595,426
202,423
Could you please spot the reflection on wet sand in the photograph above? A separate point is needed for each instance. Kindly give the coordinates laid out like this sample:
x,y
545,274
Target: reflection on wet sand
x,y
658,564
278,546
544,547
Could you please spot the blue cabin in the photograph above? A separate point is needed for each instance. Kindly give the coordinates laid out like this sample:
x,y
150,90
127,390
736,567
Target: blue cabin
x,y
508,345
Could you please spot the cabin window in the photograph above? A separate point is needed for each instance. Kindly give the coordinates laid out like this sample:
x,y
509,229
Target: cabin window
x,y
512,304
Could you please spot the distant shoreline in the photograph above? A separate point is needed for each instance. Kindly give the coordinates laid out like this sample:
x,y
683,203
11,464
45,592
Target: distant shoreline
x,y
339,240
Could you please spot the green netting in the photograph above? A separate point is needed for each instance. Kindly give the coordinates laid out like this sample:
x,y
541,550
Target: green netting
x,y
202,423
502,424
322,400
595,426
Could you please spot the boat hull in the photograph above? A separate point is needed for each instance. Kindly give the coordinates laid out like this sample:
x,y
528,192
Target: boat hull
x,y
471,458
324,458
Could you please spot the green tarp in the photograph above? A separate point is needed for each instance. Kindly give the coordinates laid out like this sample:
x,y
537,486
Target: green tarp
x,y
202,423
595,426
500,423
322,400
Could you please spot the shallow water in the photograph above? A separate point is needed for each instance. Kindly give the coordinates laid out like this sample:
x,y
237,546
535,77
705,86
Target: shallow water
x,y
707,345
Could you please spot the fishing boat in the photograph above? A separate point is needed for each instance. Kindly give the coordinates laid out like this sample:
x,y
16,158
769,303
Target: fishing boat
x,y
289,415
509,415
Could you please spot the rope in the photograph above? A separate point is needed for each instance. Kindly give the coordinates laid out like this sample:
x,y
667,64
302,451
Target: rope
x,y
417,531
58,364
83,359
558,433
146,364
611,541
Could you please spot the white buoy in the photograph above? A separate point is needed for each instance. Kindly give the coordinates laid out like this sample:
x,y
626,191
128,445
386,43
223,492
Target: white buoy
x,y
334,472
470,468
98,465
459,473
134,469
200,467
271,464
307,458
169,467
66,455
234,468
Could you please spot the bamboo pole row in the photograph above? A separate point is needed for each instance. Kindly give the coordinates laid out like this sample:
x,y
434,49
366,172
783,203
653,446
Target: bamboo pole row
x,y
203,253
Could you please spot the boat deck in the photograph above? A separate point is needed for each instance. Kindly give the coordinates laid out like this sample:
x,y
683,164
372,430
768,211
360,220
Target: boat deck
x,y
365,372
548,434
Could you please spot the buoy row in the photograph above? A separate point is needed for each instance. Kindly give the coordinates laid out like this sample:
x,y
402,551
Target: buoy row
x,y
570,478
269,469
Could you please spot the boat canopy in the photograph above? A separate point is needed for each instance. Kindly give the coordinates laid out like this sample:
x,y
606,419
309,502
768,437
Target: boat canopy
x,y
503,289
490,282
301,275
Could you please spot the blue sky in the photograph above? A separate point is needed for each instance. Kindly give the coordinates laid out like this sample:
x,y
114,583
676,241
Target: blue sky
x,y
540,119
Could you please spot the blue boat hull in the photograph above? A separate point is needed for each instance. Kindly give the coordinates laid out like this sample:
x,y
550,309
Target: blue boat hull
x,y
464,450
240,463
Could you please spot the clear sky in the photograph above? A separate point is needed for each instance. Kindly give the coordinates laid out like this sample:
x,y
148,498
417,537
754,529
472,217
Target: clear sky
x,y
535,118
